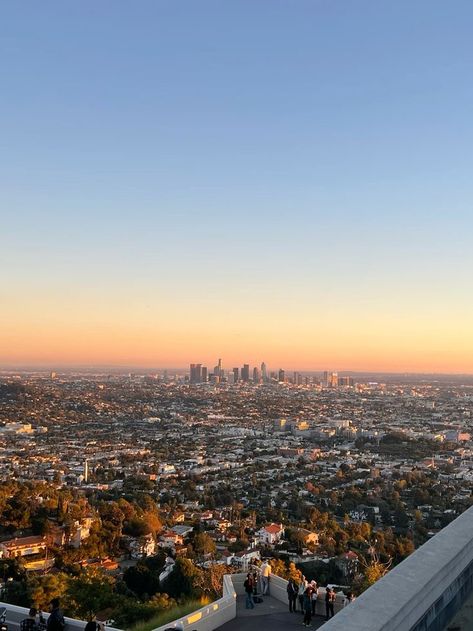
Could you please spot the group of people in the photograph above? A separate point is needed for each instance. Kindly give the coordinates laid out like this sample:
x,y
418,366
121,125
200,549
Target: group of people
x,y
251,583
55,622
306,594
36,622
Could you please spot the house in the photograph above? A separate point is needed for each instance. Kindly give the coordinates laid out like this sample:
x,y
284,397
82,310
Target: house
x,y
241,559
24,546
140,547
271,534
169,538
307,536
80,531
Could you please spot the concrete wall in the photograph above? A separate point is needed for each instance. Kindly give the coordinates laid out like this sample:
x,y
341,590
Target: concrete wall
x,y
211,616
423,592
16,614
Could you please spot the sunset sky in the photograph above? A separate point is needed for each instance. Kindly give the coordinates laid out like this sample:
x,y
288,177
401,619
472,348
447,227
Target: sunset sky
x,y
287,181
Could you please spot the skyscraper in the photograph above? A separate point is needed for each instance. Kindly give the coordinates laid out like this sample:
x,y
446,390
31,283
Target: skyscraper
x,y
256,375
236,376
195,373
264,374
204,374
245,373
281,376
218,370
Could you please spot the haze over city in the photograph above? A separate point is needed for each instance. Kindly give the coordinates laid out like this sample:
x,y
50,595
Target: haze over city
x,y
183,181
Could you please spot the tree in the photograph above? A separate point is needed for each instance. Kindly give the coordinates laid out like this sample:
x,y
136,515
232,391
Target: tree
x,y
142,580
89,593
185,580
203,544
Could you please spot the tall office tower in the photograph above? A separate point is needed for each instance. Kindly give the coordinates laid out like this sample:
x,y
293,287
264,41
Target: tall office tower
x,y
204,374
236,375
256,375
264,374
333,380
245,373
218,369
196,373
325,381
86,470
281,376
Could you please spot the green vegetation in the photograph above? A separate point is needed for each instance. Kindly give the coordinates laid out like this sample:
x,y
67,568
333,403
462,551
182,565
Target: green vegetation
x,y
168,616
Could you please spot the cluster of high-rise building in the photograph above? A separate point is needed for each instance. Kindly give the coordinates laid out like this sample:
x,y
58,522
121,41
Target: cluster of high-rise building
x,y
245,374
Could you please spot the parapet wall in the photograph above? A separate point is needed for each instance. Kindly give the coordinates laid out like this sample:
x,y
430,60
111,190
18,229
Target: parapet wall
x,y
16,614
423,592
211,616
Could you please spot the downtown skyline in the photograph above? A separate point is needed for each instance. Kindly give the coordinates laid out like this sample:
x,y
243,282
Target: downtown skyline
x,y
247,180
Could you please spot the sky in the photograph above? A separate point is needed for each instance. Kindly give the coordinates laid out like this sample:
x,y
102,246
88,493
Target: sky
x,y
278,180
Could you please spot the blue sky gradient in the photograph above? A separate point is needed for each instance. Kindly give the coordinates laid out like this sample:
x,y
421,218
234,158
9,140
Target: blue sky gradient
x,y
253,160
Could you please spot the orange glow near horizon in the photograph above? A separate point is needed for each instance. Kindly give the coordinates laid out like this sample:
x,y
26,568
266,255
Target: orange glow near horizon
x,y
305,344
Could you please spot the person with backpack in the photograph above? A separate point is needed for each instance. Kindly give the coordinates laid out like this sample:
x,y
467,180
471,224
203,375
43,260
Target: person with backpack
x,y
248,585
292,595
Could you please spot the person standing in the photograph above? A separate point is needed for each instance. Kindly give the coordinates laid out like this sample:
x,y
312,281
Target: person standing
x,y
29,623
329,603
301,591
292,595
265,576
56,620
307,603
248,585
314,595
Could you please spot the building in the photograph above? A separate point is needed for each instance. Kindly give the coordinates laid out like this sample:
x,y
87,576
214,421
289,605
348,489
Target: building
x,y
22,547
281,376
196,373
270,534
245,373
236,376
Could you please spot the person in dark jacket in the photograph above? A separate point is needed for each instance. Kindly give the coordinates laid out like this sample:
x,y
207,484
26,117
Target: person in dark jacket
x,y
92,625
329,602
248,585
56,620
307,603
292,595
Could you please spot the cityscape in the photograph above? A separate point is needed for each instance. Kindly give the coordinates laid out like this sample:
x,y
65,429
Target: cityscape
x,y
117,486
236,345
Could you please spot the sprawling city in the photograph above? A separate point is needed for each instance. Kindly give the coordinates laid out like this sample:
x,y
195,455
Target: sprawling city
x,y
130,495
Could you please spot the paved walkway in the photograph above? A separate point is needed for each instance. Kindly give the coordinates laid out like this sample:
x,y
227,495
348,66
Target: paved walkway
x,y
270,615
